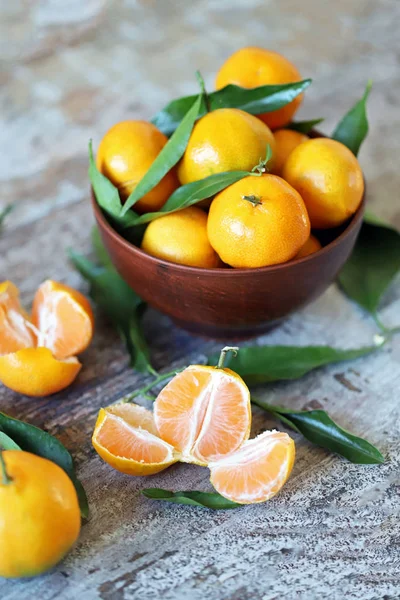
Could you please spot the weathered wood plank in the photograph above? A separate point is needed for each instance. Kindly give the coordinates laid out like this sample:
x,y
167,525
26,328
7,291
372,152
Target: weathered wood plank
x,y
68,75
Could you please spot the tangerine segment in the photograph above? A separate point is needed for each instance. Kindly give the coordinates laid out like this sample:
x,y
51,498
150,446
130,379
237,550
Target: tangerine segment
x,y
204,413
126,439
257,471
64,319
35,372
15,331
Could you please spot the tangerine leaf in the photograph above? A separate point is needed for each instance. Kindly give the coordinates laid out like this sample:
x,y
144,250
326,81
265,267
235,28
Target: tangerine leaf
x,y
4,212
35,440
373,264
263,364
318,427
167,158
192,193
304,126
211,500
265,98
106,194
121,304
6,443
353,128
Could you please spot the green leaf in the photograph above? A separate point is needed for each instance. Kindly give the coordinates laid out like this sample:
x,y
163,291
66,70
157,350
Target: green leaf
x,y
265,98
4,212
353,128
263,364
374,263
318,427
304,126
168,157
35,440
121,304
106,193
191,193
6,443
100,249
204,499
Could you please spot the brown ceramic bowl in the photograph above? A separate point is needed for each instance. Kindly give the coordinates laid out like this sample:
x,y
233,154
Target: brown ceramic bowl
x,y
230,303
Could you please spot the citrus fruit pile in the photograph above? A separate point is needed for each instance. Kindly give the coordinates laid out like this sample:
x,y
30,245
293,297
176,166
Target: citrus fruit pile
x,y
38,351
265,218
202,416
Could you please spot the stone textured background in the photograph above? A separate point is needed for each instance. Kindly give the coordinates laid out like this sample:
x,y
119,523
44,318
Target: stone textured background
x,y
68,71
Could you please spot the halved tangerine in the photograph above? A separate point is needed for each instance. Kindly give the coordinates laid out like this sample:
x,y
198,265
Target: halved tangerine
x,y
204,412
257,471
125,436
64,319
16,331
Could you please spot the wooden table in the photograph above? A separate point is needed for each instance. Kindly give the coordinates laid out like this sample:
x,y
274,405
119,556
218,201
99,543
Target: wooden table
x,y
69,71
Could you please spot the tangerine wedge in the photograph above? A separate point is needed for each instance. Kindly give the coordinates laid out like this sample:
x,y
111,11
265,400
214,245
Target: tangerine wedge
x,y
125,436
64,319
257,471
16,331
204,412
35,372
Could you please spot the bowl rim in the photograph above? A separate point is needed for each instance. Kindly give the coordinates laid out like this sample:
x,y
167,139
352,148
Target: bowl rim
x,y
223,271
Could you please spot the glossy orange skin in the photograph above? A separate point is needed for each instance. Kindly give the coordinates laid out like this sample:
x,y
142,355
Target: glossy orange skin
x,y
39,515
248,235
35,372
126,153
226,139
329,178
252,67
312,245
286,140
181,238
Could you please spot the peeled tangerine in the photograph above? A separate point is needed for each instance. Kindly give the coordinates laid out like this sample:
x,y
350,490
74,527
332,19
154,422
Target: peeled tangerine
x,y
204,413
203,416
37,354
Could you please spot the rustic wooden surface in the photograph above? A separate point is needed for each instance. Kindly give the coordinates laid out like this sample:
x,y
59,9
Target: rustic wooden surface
x,y
68,71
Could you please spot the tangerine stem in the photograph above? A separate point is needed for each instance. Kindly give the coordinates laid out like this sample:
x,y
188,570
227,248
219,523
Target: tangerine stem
x,y
224,352
255,200
262,165
6,479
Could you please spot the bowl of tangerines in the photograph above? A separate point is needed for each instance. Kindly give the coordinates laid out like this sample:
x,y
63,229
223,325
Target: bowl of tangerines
x,y
223,212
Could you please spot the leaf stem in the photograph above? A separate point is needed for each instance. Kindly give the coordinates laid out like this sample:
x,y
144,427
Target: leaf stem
x,y
224,352
143,391
6,479
387,331
275,412
262,165
203,90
